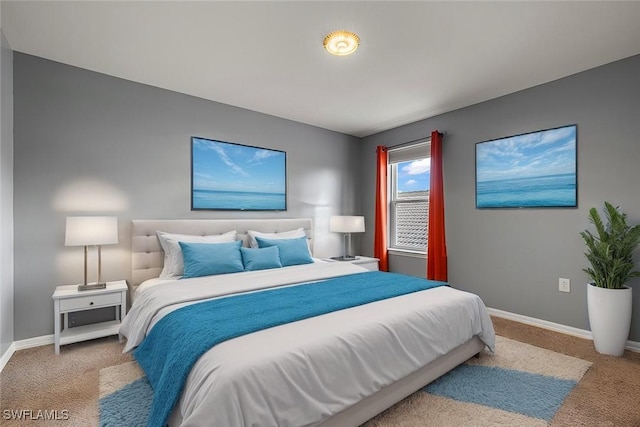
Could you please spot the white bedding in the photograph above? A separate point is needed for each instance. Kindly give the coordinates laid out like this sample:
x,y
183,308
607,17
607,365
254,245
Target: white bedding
x,y
301,373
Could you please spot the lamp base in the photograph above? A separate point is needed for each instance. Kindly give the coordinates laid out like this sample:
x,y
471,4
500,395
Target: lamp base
x,y
92,286
345,258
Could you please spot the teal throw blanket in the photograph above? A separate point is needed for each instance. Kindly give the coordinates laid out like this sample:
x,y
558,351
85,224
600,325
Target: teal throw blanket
x,y
178,340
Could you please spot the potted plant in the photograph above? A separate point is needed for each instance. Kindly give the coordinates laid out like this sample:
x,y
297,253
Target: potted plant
x,y
610,253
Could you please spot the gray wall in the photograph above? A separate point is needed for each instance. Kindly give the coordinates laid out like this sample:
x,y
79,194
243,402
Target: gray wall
x,y
87,143
6,195
513,258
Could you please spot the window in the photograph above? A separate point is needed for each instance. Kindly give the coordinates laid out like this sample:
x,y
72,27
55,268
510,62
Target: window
x,y
409,202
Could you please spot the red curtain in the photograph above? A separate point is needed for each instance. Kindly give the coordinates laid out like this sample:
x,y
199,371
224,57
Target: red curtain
x,y
380,238
436,243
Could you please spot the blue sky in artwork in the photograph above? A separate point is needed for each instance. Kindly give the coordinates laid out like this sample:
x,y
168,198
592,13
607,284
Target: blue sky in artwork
x,y
231,167
549,152
414,175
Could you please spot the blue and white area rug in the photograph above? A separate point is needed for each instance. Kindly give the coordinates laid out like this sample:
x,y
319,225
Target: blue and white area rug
x,y
519,385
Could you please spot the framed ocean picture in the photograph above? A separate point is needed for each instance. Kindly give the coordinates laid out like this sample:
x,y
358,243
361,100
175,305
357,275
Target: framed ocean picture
x,y
531,170
230,176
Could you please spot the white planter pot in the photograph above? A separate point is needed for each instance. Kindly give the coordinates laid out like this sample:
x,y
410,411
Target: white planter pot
x,y
610,318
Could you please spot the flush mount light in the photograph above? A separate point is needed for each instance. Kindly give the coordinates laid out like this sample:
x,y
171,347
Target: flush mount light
x,y
341,43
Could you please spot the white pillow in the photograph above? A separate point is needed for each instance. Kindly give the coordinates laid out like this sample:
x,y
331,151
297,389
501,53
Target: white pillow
x,y
292,234
173,262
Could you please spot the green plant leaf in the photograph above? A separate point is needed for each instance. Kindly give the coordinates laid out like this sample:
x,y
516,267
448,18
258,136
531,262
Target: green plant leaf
x,y
610,250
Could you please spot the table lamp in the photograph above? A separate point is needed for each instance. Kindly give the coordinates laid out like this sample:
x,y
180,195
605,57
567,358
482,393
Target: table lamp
x,y
346,225
91,231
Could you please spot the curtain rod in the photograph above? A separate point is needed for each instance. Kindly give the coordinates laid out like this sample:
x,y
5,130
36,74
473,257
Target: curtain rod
x,y
442,134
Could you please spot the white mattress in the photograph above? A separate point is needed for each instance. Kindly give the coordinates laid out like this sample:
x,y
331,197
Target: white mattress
x,y
301,373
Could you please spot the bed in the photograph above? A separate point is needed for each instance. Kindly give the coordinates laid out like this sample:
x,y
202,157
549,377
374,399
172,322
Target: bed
x,y
334,369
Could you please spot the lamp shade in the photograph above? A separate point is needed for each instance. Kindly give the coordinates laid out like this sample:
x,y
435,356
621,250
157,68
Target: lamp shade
x,y
91,230
346,224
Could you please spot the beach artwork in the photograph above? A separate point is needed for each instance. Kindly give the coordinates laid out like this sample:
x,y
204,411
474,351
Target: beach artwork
x,y
229,176
532,170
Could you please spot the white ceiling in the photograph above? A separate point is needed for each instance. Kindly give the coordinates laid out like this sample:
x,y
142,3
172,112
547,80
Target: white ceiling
x,y
416,60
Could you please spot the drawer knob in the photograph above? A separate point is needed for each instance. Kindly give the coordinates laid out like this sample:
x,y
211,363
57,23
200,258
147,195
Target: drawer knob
x,y
91,303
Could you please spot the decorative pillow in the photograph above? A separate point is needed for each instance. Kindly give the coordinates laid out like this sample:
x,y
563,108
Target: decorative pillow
x,y
282,235
173,265
292,251
261,259
206,259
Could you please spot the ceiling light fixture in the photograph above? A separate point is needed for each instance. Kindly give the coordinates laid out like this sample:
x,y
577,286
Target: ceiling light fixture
x,y
341,43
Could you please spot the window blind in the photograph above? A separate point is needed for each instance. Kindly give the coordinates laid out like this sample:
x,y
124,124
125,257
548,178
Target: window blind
x,y
419,150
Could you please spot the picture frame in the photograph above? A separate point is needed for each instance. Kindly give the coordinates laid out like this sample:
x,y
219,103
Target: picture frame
x,y
530,170
237,177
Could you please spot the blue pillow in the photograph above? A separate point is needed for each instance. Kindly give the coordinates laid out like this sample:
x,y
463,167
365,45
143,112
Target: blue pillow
x,y
206,259
261,259
292,251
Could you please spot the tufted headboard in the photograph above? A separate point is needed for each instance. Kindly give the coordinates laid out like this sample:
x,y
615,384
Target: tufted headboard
x,y
147,256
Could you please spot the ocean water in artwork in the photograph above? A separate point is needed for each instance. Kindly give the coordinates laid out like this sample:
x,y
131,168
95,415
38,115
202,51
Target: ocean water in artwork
x,y
238,200
541,191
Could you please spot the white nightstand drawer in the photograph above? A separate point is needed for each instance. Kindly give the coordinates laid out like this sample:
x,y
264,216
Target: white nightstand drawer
x,y
67,299
90,301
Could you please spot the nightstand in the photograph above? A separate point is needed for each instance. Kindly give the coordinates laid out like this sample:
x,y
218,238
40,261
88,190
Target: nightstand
x,y
362,261
67,299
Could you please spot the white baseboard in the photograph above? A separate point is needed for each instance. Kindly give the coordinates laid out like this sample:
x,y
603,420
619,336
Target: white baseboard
x,y
557,327
633,346
21,345
545,324
4,359
34,342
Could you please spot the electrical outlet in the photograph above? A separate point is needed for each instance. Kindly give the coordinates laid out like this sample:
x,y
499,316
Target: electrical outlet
x,y
564,285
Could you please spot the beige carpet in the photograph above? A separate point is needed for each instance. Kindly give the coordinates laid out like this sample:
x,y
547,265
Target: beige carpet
x,y
609,393
519,385
510,354
36,379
